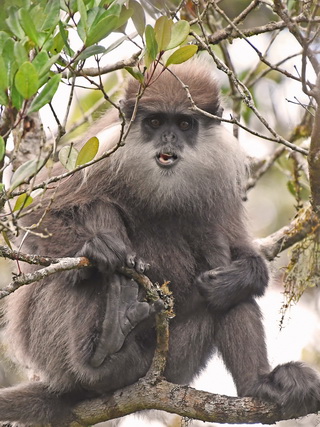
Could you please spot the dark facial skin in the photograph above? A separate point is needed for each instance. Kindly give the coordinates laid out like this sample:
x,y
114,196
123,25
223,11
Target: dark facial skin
x,y
169,133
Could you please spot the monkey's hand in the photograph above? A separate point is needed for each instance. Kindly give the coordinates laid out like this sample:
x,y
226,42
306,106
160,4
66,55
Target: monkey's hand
x,y
227,286
123,313
106,252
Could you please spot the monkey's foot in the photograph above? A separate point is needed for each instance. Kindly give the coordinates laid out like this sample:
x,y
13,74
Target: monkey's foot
x,y
294,386
123,313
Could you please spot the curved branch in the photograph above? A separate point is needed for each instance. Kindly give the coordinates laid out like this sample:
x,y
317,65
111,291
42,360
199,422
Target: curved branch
x,y
178,399
304,224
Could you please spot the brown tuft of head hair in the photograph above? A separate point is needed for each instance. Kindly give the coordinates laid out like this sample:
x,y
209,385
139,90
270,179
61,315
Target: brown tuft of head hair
x,y
167,92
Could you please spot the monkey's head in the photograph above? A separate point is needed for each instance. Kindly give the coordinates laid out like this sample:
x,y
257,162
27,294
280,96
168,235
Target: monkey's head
x,y
176,157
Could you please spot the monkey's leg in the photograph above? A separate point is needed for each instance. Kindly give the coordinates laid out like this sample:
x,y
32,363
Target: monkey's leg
x,y
241,342
239,337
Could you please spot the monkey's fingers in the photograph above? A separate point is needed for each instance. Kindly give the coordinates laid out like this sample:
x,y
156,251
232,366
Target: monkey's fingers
x,y
137,263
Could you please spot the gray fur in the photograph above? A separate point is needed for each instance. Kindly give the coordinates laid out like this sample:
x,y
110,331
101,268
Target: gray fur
x,y
187,221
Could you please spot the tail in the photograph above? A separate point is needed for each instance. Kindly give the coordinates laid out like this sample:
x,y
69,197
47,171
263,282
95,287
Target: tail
x,y
294,386
33,403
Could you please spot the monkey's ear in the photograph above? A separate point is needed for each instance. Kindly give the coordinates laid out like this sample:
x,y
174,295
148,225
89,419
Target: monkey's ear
x,y
219,111
126,107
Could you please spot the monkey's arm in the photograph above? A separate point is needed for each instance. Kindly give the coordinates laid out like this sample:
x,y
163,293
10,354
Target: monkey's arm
x,y
247,275
96,229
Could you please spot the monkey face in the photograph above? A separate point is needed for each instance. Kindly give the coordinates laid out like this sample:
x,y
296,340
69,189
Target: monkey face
x,y
169,133
173,151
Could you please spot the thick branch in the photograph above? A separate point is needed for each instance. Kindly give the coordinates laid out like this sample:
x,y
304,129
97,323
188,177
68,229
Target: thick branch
x,y
314,154
177,399
287,236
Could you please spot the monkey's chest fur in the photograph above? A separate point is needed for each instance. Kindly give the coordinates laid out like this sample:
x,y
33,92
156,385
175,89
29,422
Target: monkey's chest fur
x,y
47,314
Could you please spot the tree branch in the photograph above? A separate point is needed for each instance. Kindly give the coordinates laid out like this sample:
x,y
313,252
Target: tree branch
x,y
304,224
178,399
230,33
94,72
63,264
314,154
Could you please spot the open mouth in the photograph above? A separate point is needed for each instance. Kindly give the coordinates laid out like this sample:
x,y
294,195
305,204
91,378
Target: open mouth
x,y
166,159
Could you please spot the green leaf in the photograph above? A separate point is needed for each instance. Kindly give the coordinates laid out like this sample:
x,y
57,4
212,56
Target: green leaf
x,y
27,80
57,44
95,14
4,82
151,44
25,172
83,13
47,65
101,29
10,60
115,9
64,34
179,33
20,53
40,61
13,24
16,98
162,30
22,202
3,38
123,19
28,26
2,148
4,100
52,14
68,156
138,17
88,151
182,54
6,239
118,42
82,27
46,95
136,74
90,51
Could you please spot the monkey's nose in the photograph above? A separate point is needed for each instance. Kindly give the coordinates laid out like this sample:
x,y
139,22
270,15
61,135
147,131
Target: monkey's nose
x,y
169,137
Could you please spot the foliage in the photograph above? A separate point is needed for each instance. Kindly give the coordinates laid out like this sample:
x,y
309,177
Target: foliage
x,y
37,54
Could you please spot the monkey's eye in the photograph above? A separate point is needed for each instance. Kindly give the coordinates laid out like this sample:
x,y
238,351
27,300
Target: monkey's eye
x,y
155,123
185,124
